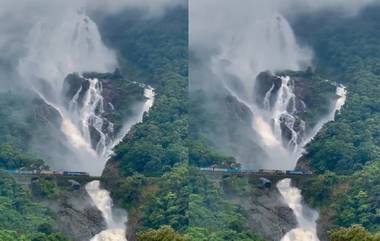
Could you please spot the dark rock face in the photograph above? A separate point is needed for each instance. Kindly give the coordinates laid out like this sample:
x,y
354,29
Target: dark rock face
x,y
267,214
72,84
311,101
119,97
76,216
264,83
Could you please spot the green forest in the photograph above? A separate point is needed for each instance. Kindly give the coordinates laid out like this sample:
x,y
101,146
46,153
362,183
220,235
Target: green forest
x,y
160,185
346,152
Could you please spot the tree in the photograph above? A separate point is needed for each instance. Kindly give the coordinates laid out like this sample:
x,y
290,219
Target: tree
x,y
165,233
355,233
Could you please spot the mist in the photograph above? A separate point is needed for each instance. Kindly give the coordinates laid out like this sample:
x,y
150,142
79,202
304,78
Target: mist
x,y
242,39
42,42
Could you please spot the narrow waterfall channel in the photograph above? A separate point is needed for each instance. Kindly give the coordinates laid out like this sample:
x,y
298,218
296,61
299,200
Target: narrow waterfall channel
x,y
306,218
116,225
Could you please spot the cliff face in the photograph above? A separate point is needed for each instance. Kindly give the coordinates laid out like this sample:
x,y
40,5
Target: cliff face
x,y
266,212
119,94
75,215
312,99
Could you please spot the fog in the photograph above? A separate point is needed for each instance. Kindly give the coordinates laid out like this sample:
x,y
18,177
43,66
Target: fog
x,y
41,42
17,18
234,41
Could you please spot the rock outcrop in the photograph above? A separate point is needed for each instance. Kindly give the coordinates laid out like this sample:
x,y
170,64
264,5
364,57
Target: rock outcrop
x,y
76,215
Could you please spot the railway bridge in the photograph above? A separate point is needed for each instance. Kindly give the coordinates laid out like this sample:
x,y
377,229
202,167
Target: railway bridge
x,y
262,177
60,180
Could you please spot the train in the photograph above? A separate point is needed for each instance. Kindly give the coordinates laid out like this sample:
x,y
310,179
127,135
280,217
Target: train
x,y
260,171
47,173
285,172
71,174
217,169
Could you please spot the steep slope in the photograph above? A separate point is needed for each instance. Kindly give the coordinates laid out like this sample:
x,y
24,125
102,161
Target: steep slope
x,y
346,153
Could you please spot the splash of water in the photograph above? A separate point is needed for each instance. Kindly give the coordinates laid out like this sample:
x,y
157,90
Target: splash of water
x,y
115,225
306,218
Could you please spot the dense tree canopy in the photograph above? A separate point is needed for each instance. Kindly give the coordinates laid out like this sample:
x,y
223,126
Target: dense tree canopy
x,y
347,151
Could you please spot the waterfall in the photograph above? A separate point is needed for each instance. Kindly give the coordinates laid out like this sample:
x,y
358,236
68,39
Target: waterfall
x,y
149,95
306,218
89,116
55,47
239,62
71,43
266,44
115,225
284,111
116,229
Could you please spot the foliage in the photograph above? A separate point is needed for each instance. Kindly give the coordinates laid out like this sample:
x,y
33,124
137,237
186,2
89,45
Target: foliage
x,y
165,233
20,218
204,234
160,187
360,203
10,158
44,188
202,155
211,215
347,151
349,57
354,233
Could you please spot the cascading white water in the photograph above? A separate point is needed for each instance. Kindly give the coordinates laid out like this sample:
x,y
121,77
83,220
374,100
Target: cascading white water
x,y
116,229
306,218
149,95
60,45
89,115
277,49
70,43
283,112
115,225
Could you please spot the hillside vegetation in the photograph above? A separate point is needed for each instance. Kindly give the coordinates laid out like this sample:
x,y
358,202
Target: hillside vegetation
x,y
346,153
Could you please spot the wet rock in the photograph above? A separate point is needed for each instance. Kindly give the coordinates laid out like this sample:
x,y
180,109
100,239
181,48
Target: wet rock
x,y
76,216
264,82
71,85
267,214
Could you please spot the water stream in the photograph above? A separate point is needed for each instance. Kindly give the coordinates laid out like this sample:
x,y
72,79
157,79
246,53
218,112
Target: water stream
x,y
115,225
306,218
68,43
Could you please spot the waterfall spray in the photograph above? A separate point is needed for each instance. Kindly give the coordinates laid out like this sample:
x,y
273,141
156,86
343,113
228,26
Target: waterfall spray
x,y
116,230
275,119
70,43
56,47
115,227
306,218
